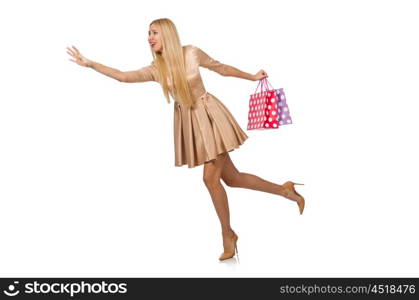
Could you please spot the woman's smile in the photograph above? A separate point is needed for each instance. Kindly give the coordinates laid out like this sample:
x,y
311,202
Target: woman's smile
x,y
154,38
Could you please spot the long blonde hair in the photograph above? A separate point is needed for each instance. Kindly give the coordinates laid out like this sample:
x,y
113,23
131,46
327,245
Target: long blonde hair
x,y
171,63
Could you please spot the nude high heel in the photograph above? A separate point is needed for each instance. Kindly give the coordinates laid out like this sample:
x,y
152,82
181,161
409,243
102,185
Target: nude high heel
x,y
227,255
289,185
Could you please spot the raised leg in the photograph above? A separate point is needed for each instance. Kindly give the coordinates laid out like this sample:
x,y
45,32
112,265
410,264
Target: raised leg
x,y
233,178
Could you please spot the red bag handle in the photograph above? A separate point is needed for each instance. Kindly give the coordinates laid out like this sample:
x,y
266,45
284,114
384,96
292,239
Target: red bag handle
x,y
263,83
260,81
266,82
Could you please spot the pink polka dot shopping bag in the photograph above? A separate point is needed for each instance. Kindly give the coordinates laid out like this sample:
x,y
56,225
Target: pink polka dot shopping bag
x,y
268,108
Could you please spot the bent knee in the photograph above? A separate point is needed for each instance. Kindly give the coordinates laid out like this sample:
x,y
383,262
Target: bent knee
x,y
233,181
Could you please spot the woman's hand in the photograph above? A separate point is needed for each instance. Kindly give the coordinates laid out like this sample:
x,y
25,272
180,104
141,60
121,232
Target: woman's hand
x,y
80,59
260,75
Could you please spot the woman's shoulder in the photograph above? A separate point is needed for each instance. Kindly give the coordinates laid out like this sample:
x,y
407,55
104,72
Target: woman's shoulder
x,y
190,47
190,50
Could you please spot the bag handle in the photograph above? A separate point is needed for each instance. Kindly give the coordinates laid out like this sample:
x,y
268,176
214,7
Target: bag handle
x,y
266,82
260,81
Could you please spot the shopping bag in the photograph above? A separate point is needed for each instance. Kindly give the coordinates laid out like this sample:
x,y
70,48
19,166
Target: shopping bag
x,y
284,117
267,108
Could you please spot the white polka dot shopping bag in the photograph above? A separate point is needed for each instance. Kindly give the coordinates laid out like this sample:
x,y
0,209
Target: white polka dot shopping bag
x,y
268,108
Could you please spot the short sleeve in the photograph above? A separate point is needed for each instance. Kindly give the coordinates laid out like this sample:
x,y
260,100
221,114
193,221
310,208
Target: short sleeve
x,y
208,62
144,74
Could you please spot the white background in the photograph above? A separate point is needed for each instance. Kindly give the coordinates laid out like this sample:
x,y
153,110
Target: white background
x,y
88,185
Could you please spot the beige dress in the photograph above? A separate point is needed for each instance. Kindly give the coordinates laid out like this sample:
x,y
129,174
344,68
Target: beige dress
x,y
208,128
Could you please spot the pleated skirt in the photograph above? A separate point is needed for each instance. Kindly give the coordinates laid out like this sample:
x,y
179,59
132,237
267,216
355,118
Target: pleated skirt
x,y
204,131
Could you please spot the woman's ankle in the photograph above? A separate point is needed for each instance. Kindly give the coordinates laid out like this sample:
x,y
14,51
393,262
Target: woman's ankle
x,y
227,233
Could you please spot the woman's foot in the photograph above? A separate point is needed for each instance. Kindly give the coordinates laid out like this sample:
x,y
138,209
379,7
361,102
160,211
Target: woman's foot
x,y
230,245
289,192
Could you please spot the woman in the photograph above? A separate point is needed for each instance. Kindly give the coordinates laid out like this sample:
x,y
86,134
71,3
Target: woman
x,y
204,129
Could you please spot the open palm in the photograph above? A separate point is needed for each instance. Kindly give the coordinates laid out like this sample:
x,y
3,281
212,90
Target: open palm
x,y
79,59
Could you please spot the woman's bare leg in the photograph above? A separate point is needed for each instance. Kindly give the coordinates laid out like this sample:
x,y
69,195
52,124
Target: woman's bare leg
x,y
233,178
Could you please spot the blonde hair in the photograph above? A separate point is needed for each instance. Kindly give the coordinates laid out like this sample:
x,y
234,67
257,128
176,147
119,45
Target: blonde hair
x,y
171,63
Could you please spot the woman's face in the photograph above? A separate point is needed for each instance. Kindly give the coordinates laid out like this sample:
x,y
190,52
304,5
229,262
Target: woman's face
x,y
154,38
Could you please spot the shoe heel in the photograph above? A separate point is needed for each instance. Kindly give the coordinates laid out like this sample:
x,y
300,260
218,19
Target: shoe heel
x,y
294,183
237,253
235,247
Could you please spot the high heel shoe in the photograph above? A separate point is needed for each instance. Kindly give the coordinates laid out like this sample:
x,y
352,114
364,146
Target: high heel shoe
x,y
289,185
227,255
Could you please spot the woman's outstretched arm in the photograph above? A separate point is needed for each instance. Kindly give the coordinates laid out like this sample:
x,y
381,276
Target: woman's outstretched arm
x,y
105,70
147,73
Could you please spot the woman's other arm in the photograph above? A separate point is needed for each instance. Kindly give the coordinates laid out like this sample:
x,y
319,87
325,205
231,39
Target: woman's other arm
x,y
223,69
